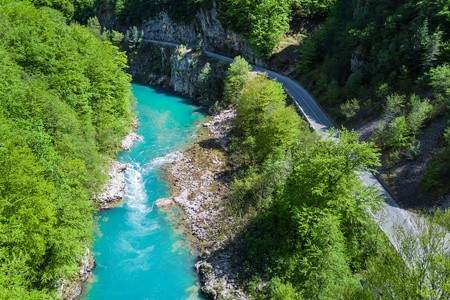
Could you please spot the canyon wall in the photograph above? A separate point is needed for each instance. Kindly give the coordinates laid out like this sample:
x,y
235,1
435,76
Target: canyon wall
x,y
205,23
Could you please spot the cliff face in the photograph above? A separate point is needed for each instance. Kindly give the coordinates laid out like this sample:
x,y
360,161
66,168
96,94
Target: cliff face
x,y
216,37
190,73
169,67
205,22
150,64
186,67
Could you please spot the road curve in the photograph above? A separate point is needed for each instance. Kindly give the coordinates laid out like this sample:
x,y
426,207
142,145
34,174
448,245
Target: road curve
x,y
390,215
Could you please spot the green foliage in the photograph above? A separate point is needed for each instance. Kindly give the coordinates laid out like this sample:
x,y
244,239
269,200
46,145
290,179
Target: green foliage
x,y
362,45
198,43
438,174
238,75
95,26
399,132
210,85
308,230
420,272
262,114
315,231
264,22
440,80
80,10
268,130
418,112
269,21
350,108
65,104
402,121
132,12
282,291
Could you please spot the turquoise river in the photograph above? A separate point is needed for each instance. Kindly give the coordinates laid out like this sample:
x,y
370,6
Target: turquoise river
x,y
140,254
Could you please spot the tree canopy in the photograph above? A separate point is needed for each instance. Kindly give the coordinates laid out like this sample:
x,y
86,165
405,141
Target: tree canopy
x,y
65,105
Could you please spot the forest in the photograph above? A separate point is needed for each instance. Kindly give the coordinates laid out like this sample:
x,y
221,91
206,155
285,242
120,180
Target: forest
x,y
306,215
65,105
390,60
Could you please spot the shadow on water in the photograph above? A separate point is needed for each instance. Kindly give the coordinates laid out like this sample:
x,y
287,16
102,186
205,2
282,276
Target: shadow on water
x,y
169,93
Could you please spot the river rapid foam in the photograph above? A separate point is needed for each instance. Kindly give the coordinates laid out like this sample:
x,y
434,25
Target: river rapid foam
x,y
139,253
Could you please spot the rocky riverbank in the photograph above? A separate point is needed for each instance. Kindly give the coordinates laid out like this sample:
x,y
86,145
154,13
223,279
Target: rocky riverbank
x,y
112,194
200,179
72,288
114,190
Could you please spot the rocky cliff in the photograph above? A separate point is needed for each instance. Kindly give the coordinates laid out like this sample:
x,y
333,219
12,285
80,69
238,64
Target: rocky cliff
x,y
177,69
187,72
205,23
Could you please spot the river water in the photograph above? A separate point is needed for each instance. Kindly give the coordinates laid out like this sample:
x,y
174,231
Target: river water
x,y
140,255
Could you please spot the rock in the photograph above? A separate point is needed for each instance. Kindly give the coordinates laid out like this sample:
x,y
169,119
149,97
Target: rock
x,y
221,126
114,189
186,67
164,202
216,283
70,289
200,185
129,140
216,38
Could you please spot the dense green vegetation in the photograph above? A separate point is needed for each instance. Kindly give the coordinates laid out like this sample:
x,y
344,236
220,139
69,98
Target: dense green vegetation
x,y
131,12
79,10
308,229
65,105
264,22
383,58
307,232
425,277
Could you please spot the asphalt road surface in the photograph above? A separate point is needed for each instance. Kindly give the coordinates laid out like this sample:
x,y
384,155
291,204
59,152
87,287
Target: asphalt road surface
x,y
391,215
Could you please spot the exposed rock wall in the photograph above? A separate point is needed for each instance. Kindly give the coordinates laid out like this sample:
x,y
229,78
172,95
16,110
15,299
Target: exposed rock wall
x,y
150,64
70,289
185,71
177,69
206,23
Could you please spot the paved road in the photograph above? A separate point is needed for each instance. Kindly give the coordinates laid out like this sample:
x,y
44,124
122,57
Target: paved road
x,y
391,214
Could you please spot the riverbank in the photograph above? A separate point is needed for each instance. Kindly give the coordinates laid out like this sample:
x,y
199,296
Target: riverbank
x,y
114,190
200,178
111,195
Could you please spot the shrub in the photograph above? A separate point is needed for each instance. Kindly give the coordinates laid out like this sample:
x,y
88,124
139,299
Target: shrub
x,y
238,75
350,108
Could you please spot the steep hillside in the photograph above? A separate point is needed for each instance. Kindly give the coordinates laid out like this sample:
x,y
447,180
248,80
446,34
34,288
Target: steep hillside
x,y
65,105
385,64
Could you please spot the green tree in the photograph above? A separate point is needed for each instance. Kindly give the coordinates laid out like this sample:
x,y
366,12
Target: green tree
x,y
65,103
237,76
269,21
257,96
350,108
418,112
440,78
418,268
